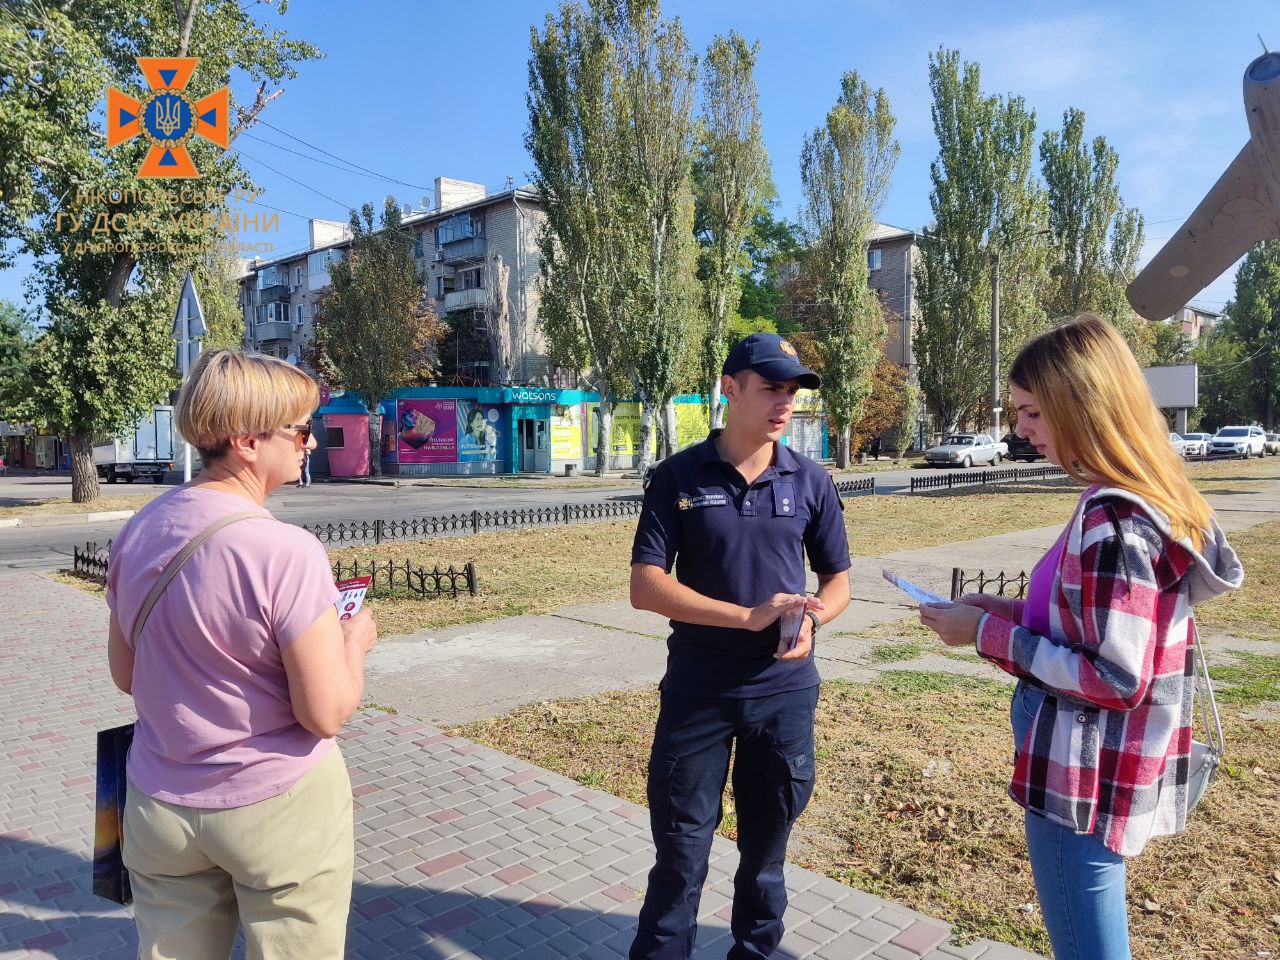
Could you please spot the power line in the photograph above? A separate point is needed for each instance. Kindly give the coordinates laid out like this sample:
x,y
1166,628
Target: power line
x,y
299,153
295,180
374,173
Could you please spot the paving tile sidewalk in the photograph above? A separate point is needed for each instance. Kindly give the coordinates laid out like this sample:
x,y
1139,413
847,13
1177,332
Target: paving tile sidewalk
x,y
461,851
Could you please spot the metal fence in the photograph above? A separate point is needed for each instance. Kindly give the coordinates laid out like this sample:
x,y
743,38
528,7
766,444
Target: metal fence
x,y
854,488
392,578
1014,587
91,561
968,478
472,521
389,577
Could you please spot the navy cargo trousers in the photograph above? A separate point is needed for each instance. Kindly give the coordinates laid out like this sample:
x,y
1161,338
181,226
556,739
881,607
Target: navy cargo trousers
x,y
772,783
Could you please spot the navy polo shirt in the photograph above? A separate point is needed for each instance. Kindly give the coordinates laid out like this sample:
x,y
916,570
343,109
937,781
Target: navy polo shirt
x,y
741,544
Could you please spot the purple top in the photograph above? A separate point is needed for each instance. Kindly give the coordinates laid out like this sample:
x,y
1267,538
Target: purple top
x,y
1035,612
215,725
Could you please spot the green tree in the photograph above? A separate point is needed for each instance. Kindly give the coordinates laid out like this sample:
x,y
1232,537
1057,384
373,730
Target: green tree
x,y
845,169
1169,345
773,247
15,354
731,177
1252,320
657,82
1224,381
60,185
1095,239
986,204
375,330
576,122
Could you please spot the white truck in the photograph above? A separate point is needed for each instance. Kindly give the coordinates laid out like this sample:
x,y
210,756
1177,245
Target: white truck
x,y
147,451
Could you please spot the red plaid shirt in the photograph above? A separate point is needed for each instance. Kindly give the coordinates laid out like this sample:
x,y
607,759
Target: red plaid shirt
x,y
1108,752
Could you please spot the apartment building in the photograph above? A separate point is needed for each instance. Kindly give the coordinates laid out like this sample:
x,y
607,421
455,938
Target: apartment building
x,y
458,241
892,254
1195,321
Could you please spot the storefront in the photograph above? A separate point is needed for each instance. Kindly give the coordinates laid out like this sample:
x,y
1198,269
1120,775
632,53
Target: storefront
x,y
342,438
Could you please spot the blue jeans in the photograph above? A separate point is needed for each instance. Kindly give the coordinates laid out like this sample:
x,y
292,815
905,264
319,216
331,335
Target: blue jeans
x,y
772,784
1080,883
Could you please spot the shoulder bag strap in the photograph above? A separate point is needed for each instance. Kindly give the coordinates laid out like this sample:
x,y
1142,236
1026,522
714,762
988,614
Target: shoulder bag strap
x,y
1208,705
176,563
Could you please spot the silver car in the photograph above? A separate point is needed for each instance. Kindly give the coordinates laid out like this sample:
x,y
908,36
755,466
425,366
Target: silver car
x,y
964,450
1196,444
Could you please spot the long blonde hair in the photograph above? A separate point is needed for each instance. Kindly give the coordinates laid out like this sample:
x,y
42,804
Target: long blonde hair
x,y
1104,422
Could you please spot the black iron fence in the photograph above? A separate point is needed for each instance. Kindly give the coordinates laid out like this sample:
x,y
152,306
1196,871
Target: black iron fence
x,y
855,488
91,561
968,478
393,578
472,521
1006,585
389,577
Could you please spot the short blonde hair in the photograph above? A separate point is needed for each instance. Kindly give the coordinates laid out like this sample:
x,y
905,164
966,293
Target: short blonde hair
x,y
231,393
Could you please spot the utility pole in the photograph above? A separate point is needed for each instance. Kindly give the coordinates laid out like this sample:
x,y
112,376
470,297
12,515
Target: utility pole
x,y
995,345
188,331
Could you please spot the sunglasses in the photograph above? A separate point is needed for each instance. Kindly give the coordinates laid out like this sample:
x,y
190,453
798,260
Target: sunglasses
x,y
301,433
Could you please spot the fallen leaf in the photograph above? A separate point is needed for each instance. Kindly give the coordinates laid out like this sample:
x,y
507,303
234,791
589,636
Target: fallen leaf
x,y
1150,906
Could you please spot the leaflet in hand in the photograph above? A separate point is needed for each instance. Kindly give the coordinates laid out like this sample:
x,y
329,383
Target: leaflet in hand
x,y
916,593
352,596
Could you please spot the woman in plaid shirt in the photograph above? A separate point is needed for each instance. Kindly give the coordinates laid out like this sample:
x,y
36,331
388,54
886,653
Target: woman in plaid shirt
x,y
1103,646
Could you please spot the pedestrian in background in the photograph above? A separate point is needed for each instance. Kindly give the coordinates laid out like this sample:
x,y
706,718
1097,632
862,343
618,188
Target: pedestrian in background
x,y
304,479
736,514
1102,646
239,808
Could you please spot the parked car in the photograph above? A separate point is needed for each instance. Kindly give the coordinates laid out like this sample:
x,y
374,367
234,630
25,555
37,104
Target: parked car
x,y
965,449
1196,444
1178,444
1021,448
1271,446
1243,442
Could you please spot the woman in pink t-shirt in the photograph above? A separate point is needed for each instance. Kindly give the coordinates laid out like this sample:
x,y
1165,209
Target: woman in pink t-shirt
x,y
239,805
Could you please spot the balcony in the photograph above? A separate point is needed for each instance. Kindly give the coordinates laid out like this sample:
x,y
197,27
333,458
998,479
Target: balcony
x,y
460,251
472,299
278,293
273,330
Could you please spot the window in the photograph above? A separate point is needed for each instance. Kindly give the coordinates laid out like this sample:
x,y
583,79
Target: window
x,y
460,227
333,438
297,275
874,258
271,277
298,315
472,279
443,285
417,246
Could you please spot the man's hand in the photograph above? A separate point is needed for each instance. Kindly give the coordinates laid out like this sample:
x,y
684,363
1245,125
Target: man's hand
x,y
361,630
955,623
768,612
787,629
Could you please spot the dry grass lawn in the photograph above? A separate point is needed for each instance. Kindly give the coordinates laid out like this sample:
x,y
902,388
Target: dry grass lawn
x,y
911,805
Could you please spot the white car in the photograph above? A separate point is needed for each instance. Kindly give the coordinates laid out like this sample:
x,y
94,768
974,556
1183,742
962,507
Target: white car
x,y
1242,442
1179,445
966,449
1196,444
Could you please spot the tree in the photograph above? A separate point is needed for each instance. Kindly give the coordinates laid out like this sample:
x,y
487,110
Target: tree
x,y
731,176
1224,381
375,330
1095,239
773,249
845,169
497,318
63,190
657,77
986,203
1169,345
882,410
15,354
576,121
1252,320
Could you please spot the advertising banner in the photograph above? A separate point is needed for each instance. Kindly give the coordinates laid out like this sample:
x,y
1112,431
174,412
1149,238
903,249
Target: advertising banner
x,y
479,432
566,432
427,431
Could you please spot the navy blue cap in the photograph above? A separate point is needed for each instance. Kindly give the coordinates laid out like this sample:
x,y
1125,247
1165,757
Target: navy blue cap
x,y
770,356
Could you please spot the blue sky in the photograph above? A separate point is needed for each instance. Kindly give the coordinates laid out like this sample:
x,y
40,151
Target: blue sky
x,y
415,90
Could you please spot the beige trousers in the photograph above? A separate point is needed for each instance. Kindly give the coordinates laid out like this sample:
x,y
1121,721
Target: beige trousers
x,y
281,868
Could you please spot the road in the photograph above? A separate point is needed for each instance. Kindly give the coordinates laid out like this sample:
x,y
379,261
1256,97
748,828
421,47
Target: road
x,y
43,548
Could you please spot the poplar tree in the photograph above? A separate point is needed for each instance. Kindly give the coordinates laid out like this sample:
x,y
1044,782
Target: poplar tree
x,y
1095,238
731,181
845,168
576,124
986,202
658,79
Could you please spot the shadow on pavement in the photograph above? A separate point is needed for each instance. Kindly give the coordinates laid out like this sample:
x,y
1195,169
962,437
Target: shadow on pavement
x,y
49,909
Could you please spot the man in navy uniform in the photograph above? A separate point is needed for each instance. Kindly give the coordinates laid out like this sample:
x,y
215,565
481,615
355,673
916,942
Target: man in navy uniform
x,y
736,514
